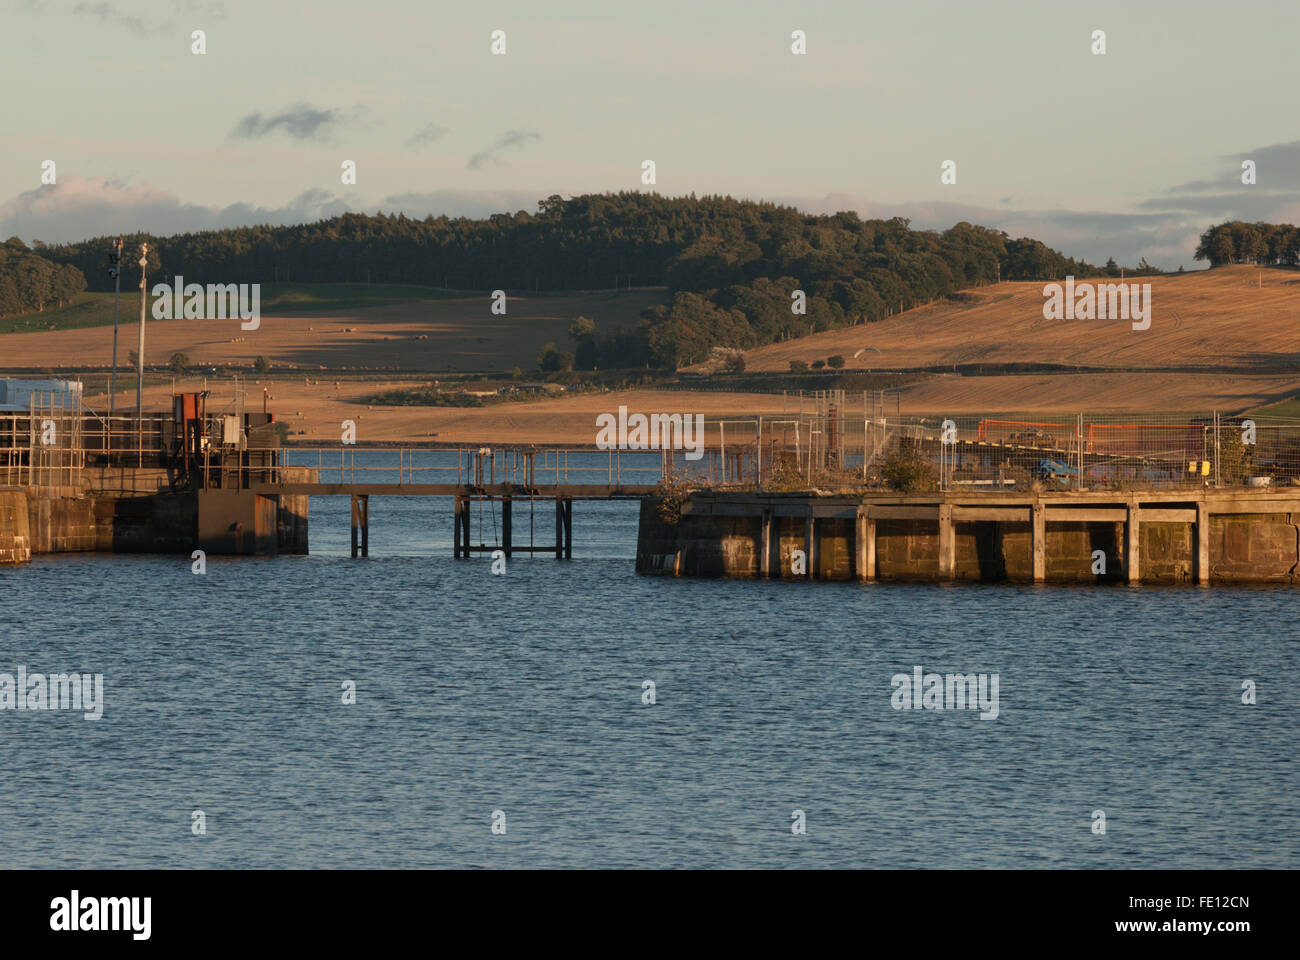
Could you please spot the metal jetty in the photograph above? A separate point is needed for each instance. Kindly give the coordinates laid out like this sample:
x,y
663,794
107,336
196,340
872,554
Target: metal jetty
x,y
483,476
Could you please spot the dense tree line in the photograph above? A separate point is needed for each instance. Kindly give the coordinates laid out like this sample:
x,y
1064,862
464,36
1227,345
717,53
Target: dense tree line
x,y
1262,243
29,282
730,266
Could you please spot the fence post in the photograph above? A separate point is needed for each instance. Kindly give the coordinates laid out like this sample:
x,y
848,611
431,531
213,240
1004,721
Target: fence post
x,y
1218,477
722,449
1078,447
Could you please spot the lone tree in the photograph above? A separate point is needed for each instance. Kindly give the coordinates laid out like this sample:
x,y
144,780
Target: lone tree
x,y
262,364
552,360
798,366
582,327
178,363
835,362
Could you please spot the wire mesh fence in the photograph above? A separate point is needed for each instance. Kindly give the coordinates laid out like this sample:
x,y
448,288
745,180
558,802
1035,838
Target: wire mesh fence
x,y
824,440
1085,451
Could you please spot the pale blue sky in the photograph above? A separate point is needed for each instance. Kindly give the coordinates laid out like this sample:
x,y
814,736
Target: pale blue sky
x,y
1132,153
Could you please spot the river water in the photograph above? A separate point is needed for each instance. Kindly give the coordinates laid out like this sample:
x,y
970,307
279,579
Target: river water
x,y
519,698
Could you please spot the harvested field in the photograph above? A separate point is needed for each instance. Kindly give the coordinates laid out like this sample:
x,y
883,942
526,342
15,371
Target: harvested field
x,y
318,407
1221,317
456,334
1097,393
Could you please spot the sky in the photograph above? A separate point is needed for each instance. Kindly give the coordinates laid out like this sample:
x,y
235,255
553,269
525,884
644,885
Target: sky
x,y
1128,154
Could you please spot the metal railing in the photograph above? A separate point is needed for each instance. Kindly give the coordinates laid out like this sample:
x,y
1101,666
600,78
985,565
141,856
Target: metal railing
x,y
822,445
55,441
466,466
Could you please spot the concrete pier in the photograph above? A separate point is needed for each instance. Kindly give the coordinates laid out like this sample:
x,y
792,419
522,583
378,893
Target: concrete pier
x,y
123,517
1198,536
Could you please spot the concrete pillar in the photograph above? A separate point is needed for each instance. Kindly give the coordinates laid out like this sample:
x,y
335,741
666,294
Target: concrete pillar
x,y
1039,546
356,523
1203,543
809,543
947,543
765,546
871,547
360,525
507,527
860,544
15,527
1132,560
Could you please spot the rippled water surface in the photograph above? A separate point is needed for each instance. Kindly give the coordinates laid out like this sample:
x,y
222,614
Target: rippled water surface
x,y
522,693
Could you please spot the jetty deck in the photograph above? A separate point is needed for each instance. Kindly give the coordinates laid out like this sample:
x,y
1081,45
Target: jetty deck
x,y
1188,535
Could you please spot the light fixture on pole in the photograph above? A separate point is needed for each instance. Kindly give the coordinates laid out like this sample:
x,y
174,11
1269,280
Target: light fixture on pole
x,y
114,271
139,359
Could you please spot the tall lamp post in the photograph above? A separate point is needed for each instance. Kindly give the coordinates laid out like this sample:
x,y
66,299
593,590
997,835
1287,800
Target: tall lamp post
x,y
139,361
114,271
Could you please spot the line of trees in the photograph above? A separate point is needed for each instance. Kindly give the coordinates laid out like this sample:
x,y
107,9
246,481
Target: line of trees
x,y
29,282
730,266
1235,241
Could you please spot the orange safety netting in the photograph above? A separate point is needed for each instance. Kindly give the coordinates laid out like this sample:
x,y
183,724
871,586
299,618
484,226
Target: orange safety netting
x,y
1159,440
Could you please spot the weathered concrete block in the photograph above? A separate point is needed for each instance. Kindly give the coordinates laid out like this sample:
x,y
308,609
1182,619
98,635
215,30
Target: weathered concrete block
x,y
15,528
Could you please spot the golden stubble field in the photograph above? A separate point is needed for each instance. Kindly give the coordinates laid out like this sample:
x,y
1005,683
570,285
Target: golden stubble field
x,y
458,334
319,407
1237,316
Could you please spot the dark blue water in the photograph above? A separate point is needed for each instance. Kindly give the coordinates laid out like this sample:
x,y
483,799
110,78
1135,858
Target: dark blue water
x,y
522,693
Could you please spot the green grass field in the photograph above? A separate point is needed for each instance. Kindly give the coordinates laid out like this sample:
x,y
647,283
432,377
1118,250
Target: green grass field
x,y
96,309
86,310
294,298
1285,408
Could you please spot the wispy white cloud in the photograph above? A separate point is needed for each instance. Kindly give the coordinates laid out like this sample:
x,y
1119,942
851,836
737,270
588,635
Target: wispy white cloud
x,y
512,140
301,121
427,135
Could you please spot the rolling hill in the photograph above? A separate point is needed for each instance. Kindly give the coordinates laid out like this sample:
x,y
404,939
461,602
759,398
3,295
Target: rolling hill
x,y
1240,317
